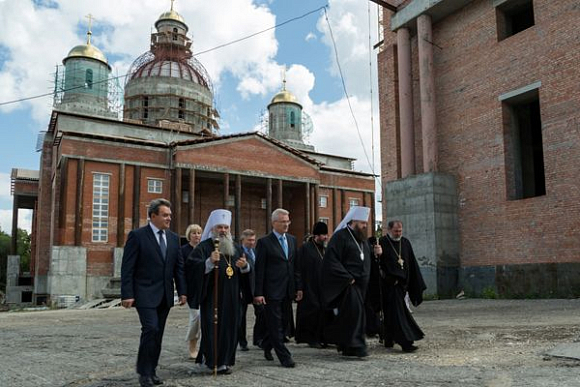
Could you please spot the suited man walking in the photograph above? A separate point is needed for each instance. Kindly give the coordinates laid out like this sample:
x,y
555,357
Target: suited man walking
x,y
152,261
277,284
248,242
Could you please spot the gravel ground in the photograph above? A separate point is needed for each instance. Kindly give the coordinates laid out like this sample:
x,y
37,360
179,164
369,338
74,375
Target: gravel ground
x,y
468,343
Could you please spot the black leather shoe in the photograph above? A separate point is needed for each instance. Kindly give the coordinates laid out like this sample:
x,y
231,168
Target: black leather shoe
x,y
315,345
410,348
268,355
145,381
225,371
289,363
156,380
360,353
244,348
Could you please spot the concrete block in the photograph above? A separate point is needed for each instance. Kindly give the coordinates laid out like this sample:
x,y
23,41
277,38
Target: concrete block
x,y
67,273
427,206
118,259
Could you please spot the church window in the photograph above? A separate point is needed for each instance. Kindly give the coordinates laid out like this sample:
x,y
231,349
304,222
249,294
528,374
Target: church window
x,y
180,113
323,201
352,202
101,183
175,34
89,79
263,203
323,220
523,145
145,107
292,119
513,16
155,186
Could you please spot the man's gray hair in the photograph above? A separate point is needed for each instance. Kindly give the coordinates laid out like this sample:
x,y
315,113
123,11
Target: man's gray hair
x,y
277,212
155,204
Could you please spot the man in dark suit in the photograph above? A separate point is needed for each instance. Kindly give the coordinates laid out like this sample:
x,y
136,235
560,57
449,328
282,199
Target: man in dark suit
x,y
248,242
152,261
277,284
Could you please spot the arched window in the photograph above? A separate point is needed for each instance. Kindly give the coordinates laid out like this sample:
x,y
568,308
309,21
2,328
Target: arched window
x,y
89,79
175,33
292,119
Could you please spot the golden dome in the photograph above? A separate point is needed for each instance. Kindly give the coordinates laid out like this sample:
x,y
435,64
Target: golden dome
x,y
87,51
284,96
170,15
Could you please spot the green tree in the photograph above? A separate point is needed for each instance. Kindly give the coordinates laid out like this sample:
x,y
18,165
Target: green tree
x,y
4,251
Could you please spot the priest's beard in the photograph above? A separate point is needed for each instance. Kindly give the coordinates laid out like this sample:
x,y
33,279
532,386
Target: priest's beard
x,y
359,233
394,239
226,245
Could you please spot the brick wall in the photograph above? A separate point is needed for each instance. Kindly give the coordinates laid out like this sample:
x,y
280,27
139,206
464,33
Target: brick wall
x,y
472,70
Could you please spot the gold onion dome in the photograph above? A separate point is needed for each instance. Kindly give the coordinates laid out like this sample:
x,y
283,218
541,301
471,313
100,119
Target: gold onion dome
x,y
284,96
171,15
87,51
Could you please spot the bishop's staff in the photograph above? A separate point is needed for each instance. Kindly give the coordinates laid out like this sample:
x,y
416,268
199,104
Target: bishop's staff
x,y
216,267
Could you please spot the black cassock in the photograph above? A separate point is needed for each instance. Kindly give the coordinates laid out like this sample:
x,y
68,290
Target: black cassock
x,y
309,313
399,325
228,304
342,263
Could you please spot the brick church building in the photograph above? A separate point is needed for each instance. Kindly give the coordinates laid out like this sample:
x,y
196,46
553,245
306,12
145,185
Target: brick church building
x,y
98,173
480,142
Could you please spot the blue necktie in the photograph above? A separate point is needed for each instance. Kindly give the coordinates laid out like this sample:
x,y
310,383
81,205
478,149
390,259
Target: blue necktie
x,y
250,255
284,244
162,244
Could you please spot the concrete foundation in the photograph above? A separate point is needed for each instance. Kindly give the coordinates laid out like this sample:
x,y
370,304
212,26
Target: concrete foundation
x,y
427,206
544,280
67,273
17,292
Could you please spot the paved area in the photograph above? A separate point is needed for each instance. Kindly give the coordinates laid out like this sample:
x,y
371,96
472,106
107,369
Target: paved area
x,y
468,343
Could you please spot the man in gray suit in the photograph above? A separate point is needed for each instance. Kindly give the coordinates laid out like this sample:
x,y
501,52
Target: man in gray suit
x,y
152,261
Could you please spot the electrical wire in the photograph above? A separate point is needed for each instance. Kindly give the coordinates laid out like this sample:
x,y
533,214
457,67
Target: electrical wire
x,y
196,54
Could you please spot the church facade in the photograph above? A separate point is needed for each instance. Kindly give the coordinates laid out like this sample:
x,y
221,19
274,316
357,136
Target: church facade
x,y
480,142
98,173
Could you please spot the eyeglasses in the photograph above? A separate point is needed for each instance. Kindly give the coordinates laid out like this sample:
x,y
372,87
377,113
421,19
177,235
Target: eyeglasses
x,y
283,221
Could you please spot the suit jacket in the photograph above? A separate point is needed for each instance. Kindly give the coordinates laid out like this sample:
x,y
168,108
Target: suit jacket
x,y
276,277
247,287
145,275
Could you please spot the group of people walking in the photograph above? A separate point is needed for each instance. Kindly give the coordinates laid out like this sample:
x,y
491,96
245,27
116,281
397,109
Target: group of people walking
x,y
340,288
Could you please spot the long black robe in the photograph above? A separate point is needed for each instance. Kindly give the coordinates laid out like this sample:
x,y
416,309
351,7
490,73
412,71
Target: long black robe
x,y
399,324
309,313
342,263
228,305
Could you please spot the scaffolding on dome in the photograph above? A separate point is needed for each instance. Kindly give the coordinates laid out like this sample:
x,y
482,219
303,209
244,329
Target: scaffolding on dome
x,y
114,95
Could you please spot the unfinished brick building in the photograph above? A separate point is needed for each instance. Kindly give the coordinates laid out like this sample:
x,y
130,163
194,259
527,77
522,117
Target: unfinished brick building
x,y
98,173
480,139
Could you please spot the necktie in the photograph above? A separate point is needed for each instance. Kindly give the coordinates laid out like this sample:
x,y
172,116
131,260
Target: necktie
x,y
284,244
251,257
162,244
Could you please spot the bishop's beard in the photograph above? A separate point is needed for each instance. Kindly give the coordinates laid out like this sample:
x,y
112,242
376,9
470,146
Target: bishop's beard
x,y
226,244
359,234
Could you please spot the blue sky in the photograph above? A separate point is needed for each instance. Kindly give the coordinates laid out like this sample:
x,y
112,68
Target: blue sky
x,y
36,35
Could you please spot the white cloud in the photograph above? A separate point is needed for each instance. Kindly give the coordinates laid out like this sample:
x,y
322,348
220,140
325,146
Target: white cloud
x,y
43,36
5,187
310,36
24,220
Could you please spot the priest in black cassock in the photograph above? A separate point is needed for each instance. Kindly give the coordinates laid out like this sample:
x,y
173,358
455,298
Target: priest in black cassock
x,y
344,279
399,273
233,268
309,313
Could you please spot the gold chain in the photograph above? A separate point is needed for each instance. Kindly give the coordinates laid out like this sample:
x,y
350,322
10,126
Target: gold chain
x,y
229,269
400,260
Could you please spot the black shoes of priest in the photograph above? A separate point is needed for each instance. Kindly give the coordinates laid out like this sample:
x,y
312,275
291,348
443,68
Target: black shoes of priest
x,y
268,355
356,352
410,348
244,348
315,345
225,371
288,363
150,381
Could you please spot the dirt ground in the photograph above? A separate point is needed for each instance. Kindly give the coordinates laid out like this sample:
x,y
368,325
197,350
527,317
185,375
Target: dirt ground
x,y
468,343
